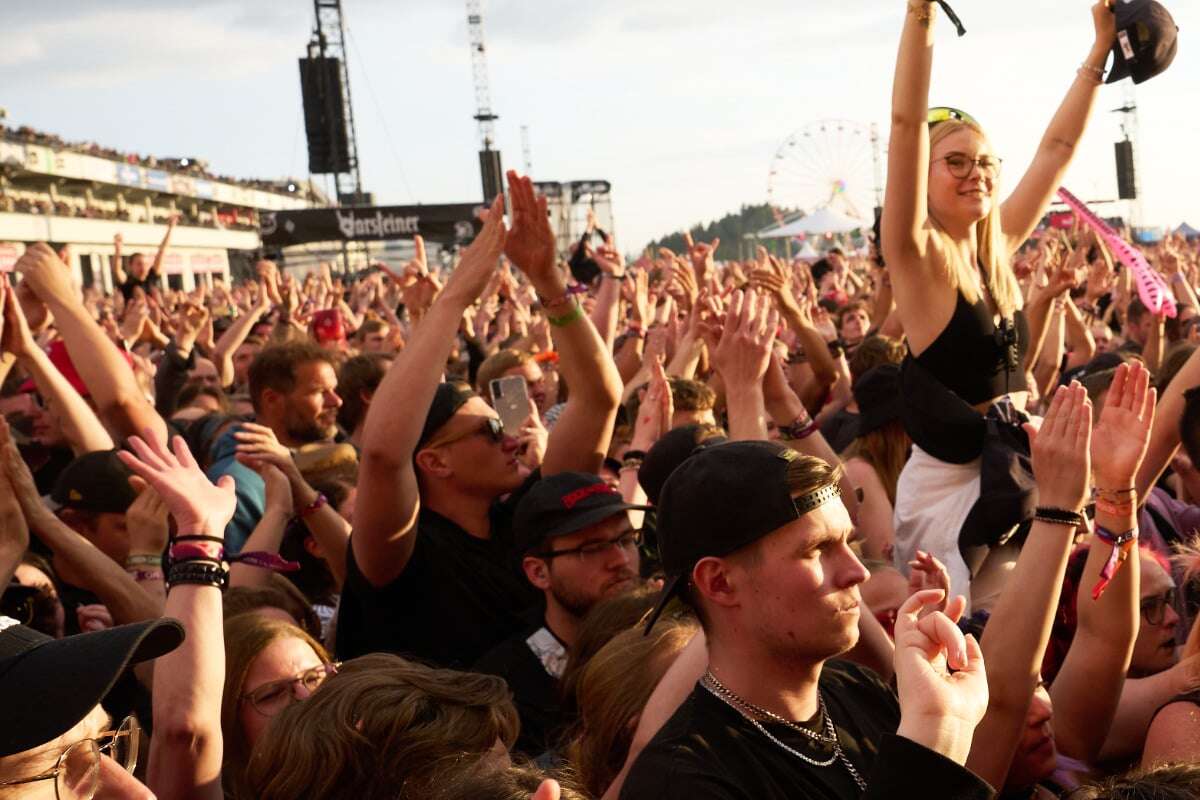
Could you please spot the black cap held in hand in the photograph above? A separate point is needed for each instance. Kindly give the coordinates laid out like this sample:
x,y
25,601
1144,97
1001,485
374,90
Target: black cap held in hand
x,y
1146,40
563,504
721,499
877,392
96,482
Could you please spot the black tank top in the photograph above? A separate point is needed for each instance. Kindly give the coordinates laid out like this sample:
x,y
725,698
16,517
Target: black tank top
x,y
976,360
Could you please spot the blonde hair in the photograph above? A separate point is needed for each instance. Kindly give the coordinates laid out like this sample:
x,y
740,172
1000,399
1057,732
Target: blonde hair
x,y
379,729
612,692
991,248
246,635
886,451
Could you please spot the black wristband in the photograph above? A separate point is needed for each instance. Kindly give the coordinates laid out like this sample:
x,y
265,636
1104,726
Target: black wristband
x,y
638,454
1059,516
199,571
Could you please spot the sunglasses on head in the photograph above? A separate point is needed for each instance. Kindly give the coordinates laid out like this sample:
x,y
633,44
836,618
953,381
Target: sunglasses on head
x,y
946,114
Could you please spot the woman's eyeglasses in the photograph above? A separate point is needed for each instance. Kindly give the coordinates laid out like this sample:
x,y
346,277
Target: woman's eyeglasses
x,y
271,698
1154,609
961,165
76,774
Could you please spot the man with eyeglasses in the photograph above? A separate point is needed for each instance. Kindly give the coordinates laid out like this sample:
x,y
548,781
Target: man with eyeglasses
x,y
56,741
432,568
579,548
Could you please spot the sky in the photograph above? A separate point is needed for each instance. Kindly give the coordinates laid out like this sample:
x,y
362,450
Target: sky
x,y
681,105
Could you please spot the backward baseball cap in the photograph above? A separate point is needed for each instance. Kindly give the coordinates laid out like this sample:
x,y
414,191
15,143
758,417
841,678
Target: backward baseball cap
x,y
722,498
448,398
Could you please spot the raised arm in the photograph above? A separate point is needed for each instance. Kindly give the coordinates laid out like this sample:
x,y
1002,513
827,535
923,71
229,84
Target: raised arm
x,y
1164,436
125,600
741,355
385,515
235,335
257,448
905,208
187,748
1018,631
581,436
110,380
1020,213
14,532
156,267
1087,688
118,271
608,298
81,427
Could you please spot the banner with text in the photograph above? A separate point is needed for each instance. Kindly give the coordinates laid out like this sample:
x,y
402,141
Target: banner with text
x,y
446,224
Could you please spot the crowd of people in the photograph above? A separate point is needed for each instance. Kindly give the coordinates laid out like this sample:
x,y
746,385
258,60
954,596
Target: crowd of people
x,y
195,168
567,525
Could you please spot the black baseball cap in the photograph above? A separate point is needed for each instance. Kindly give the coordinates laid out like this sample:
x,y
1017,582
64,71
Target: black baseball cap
x,y
1146,40
671,450
563,504
721,499
448,398
877,392
95,481
48,685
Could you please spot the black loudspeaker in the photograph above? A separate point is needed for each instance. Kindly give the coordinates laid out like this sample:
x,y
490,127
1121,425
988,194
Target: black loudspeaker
x,y
1126,182
324,116
492,173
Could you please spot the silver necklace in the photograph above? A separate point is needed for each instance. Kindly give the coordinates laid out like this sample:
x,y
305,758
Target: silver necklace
x,y
829,737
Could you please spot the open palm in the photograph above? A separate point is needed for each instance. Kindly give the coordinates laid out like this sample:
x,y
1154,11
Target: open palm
x,y
1123,432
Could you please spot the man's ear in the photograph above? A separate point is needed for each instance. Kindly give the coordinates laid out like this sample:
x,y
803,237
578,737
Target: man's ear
x,y
537,571
713,580
433,463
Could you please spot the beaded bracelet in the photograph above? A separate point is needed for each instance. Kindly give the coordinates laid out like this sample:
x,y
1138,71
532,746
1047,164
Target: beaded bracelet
x,y
1122,544
204,573
1059,516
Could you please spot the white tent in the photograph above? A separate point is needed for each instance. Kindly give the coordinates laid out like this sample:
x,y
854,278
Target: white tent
x,y
808,252
823,220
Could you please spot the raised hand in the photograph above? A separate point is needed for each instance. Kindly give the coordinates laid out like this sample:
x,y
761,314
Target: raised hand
x,y
478,262
610,261
939,708
927,572
532,438
744,348
530,243
16,338
1105,22
278,487
199,506
1120,438
146,520
655,411
1061,449
45,274
701,256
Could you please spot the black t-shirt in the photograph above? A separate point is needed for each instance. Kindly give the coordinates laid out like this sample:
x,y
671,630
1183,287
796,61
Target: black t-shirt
x,y
709,751
457,598
145,284
531,662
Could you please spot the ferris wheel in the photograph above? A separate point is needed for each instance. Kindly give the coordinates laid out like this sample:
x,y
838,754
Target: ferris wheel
x,y
830,163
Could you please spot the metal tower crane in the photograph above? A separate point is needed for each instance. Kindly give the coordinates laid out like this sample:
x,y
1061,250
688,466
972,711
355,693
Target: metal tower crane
x,y
490,170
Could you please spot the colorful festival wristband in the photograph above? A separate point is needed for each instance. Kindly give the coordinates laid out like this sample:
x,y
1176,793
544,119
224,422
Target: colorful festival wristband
x,y
1122,544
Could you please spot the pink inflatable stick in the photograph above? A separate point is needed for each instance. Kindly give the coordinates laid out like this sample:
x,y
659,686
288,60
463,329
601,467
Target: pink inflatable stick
x,y
1154,292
